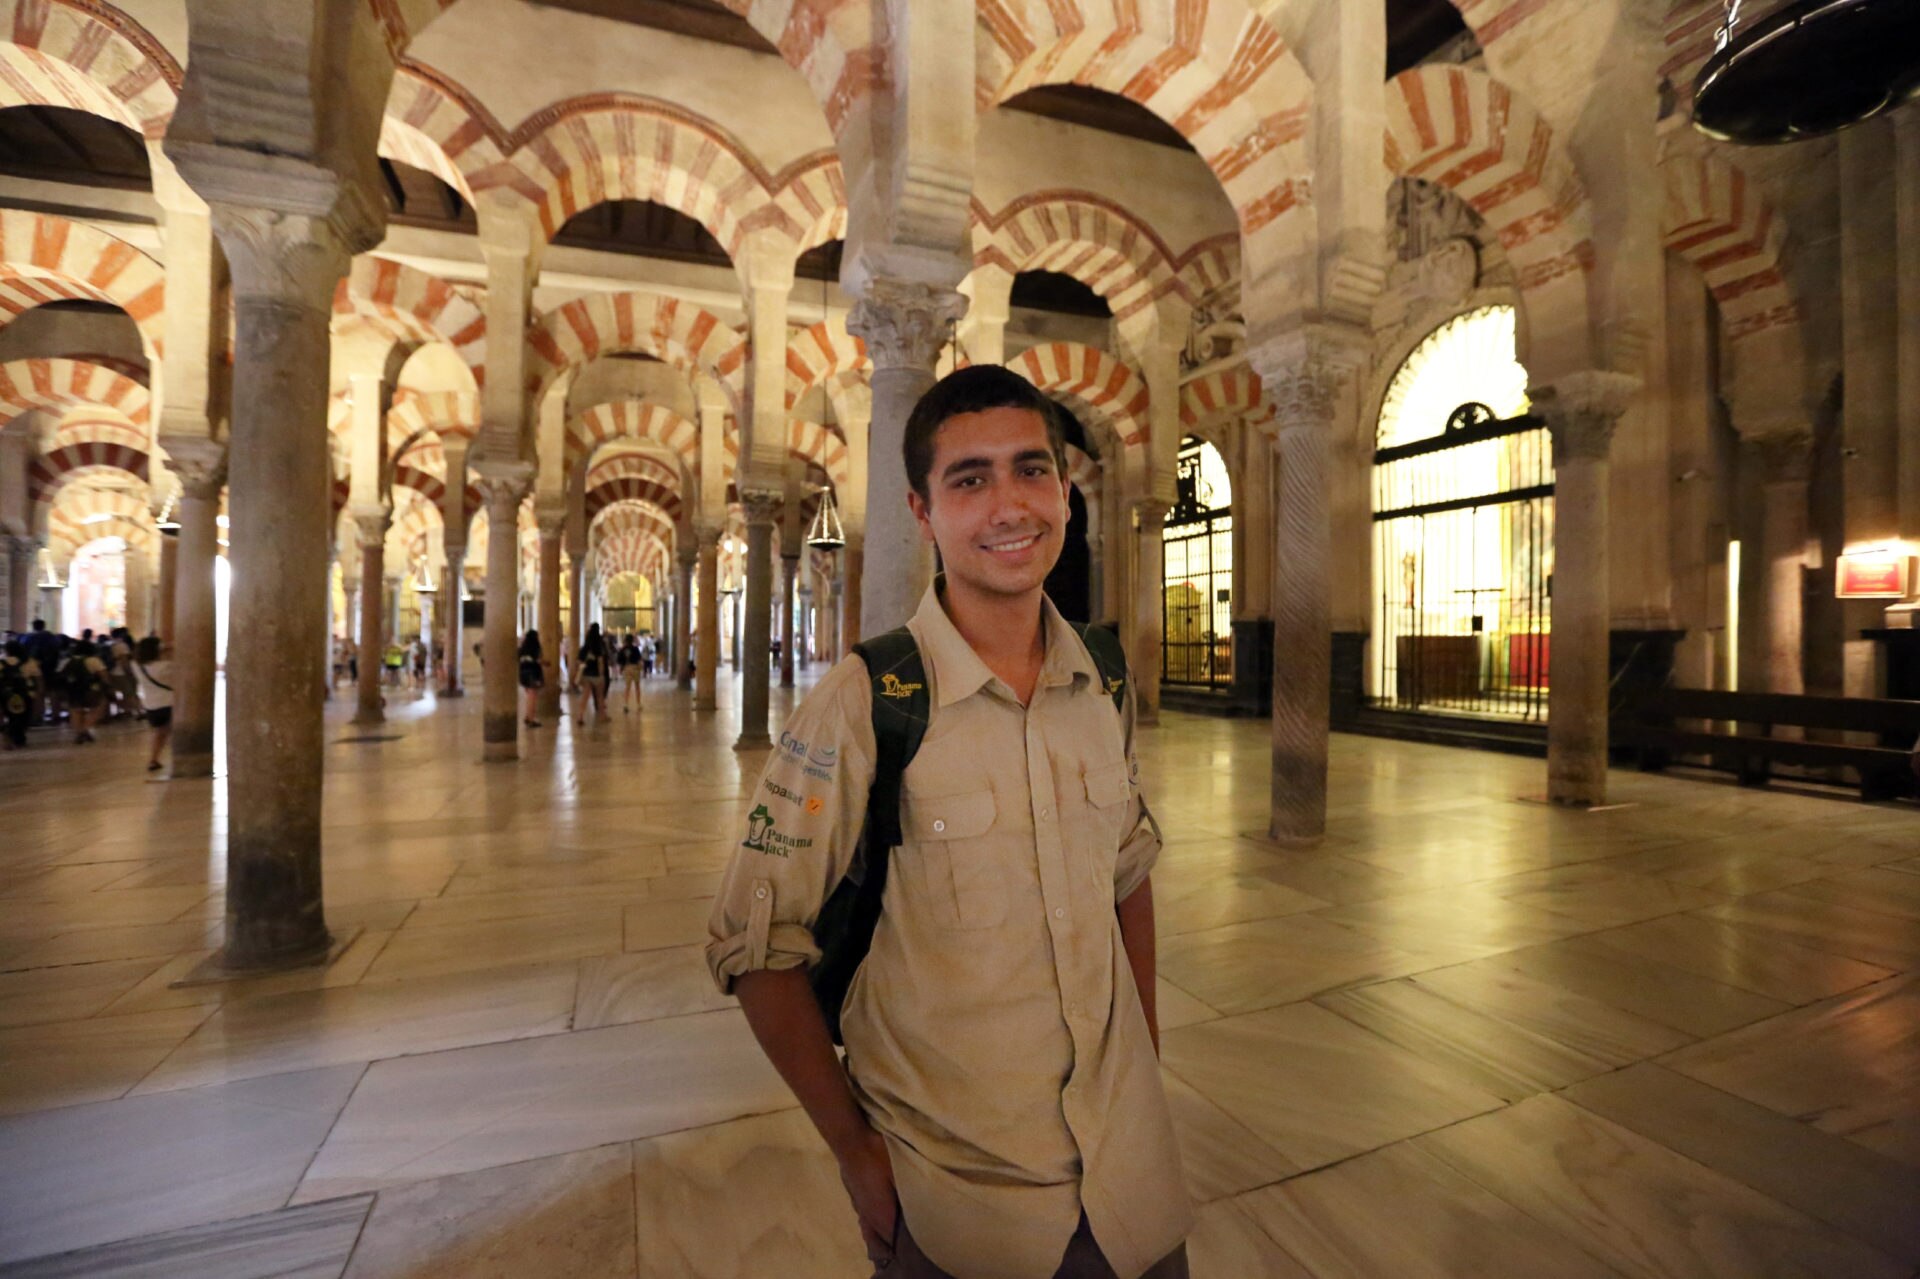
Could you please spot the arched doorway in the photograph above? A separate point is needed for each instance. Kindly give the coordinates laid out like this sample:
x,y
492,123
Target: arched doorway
x,y
1197,589
1463,529
629,605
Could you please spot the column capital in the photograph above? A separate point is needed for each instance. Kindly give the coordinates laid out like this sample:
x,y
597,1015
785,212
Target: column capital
x,y
550,513
1786,457
199,461
503,485
287,258
1150,511
1582,410
760,507
371,526
1304,371
904,324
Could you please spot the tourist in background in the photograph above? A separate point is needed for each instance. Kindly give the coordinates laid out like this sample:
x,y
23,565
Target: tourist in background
x,y
630,673
153,667
84,674
595,664
16,695
533,674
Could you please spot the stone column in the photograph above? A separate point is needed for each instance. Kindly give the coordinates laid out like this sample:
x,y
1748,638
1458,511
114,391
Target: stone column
x,y
1787,459
756,624
707,664
686,555
371,528
1149,610
502,486
552,524
139,591
200,465
789,603
853,568
452,626
285,266
1581,411
169,576
904,326
23,554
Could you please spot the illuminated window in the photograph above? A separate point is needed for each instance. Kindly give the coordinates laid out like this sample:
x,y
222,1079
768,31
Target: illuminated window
x,y
1463,529
1198,584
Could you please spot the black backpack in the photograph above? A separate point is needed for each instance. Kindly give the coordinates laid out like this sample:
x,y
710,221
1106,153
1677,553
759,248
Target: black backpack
x,y
844,928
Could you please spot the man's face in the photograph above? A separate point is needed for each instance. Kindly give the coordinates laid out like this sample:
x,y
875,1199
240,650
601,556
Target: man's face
x,y
997,502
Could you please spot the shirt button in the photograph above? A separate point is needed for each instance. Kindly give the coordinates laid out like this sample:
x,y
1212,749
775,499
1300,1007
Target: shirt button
x,y
760,892
939,826
1046,814
1059,912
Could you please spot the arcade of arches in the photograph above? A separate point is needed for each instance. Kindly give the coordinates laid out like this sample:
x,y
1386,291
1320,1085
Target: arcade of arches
x,y
1427,378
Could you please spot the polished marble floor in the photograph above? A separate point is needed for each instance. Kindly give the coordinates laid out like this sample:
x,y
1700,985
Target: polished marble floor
x,y
1468,1036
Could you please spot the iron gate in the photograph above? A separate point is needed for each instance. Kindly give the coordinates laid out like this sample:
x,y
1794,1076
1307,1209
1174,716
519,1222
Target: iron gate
x,y
1197,585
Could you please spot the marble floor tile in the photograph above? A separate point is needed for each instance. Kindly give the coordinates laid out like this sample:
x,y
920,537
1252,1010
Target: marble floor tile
x,y
158,990
415,1118
1227,1241
1601,895
310,1242
615,989
1243,967
66,993
1868,936
1176,1008
1220,1155
1452,924
1587,1026
1753,959
1189,902
1856,1191
1876,890
1691,1004
1314,1087
70,1062
252,1037
1404,1213
568,1217
655,925
98,945
418,951
93,1174
1638,1206
1848,1065
755,1196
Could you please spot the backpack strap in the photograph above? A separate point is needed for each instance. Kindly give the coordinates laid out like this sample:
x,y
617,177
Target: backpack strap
x,y
1108,658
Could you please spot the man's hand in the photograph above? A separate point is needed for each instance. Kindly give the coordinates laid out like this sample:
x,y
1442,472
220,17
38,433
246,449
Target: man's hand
x,y
866,1171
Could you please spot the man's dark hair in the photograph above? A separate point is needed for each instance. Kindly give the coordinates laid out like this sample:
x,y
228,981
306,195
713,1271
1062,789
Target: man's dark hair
x,y
39,623
147,650
974,389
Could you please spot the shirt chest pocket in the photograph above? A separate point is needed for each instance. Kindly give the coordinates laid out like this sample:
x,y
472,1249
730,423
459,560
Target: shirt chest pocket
x,y
1107,792
952,850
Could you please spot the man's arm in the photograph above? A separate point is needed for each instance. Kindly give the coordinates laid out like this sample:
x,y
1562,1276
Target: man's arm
x,y
786,1020
1136,934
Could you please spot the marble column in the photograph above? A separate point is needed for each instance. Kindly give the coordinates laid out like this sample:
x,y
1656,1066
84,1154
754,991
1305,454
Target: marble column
x,y
685,557
552,521
1786,458
201,467
755,632
169,576
904,327
285,266
1149,611
790,632
371,528
1581,411
139,590
453,625
23,555
707,664
853,568
502,486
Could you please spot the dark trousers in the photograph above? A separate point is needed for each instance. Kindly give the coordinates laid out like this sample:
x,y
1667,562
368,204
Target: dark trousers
x,y
1083,1260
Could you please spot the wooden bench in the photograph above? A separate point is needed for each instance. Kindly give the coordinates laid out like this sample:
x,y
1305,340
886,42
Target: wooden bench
x,y
1733,731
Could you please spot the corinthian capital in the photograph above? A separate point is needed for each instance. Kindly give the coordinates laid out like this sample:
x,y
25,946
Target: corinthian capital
x,y
503,485
1304,372
760,506
903,324
200,462
290,259
1581,411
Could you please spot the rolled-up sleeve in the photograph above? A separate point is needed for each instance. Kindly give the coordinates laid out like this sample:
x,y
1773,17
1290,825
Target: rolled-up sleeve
x,y
1140,842
797,832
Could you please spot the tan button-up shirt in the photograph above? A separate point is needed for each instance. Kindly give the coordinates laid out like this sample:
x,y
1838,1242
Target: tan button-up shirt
x,y
994,1034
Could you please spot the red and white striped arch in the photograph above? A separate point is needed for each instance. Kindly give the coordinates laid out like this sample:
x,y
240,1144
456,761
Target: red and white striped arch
x,y
89,57
634,420
84,513
448,414
1082,235
1690,29
631,488
633,520
1213,69
417,306
1221,396
822,351
44,258
808,203
631,551
61,385
1208,269
622,463
688,337
1103,389
432,123
1717,219
1465,131
90,425
413,479
814,443
1085,474
52,470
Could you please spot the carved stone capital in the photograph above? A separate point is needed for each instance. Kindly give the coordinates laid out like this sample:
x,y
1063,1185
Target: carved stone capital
x,y
1582,410
199,462
291,260
760,507
905,325
550,513
371,527
1304,372
1786,457
1151,512
503,486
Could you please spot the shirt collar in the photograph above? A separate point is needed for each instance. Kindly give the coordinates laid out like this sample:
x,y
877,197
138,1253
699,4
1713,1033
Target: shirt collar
x,y
959,673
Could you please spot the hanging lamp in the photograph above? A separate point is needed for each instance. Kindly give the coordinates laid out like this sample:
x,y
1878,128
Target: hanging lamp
x,y
826,532
1786,70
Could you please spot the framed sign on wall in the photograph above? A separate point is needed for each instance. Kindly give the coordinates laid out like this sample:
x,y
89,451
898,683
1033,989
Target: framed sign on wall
x,y
1872,575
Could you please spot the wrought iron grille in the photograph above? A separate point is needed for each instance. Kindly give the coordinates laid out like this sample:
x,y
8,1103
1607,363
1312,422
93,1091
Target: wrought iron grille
x,y
1197,588
1463,560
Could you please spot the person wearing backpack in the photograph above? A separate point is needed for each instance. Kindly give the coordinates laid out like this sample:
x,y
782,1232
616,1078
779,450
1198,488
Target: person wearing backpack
x,y
533,674
16,696
945,865
85,675
595,673
154,669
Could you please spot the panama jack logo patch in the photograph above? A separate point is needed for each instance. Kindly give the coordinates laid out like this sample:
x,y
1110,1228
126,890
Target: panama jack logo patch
x,y
892,685
764,835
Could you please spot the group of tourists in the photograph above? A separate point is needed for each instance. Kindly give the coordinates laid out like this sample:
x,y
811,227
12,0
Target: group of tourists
x,y
48,678
590,672
402,665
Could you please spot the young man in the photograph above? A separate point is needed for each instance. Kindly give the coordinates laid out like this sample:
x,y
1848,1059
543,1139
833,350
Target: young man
x,y
1000,1113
